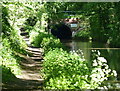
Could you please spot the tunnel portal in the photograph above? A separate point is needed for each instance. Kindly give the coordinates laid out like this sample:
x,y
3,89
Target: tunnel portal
x,y
61,31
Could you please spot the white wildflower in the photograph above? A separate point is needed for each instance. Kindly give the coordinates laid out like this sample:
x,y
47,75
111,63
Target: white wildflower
x,y
98,53
95,63
102,74
92,50
105,78
101,88
114,73
105,87
108,71
101,79
100,63
93,75
106,67
102,59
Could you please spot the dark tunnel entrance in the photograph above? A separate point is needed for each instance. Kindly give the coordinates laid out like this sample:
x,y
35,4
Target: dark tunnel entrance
x,y
61,31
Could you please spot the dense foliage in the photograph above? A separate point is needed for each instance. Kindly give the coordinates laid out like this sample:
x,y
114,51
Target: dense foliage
x,y
63,70
50,43
10,64
84,35
46,41
101,20
11,42
105,23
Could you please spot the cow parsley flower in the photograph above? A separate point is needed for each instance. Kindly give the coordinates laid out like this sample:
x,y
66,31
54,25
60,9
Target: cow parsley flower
x,y
102,59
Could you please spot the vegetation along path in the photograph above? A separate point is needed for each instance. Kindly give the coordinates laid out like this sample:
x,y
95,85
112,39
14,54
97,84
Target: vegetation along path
x,y
31,66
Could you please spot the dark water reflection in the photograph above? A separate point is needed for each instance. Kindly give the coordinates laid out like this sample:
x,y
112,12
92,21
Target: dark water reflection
x,y
112,55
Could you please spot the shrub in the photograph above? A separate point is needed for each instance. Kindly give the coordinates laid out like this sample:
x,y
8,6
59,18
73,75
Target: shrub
x,y
7,75
9,62
63,70
83,34
50,43
37,37
45,41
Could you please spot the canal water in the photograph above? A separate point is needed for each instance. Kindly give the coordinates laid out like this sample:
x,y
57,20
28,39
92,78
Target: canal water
x,y
112,55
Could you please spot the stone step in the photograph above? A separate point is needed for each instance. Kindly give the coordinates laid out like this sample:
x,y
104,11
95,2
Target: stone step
x,y
35,53
33,49
22,29
24,33
26,39
26,36
32,46
36,58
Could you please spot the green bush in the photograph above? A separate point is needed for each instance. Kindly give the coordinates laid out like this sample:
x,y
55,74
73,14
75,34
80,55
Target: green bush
x,y
11,42
83,34
7,75
63,70
50,43
9,62
10,34
15,43
113,42
37,37
45,41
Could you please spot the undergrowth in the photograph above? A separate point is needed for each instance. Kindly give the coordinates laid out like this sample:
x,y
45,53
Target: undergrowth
x,y
63,70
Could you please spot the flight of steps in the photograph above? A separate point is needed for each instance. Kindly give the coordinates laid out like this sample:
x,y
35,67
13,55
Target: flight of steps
x,y
36,52
31,64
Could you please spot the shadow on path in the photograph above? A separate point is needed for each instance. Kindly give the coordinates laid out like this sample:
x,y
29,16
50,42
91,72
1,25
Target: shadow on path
x,y
30,78
23,84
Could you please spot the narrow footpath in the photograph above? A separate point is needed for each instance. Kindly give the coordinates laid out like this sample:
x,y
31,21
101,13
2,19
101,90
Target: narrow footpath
x,y
31,78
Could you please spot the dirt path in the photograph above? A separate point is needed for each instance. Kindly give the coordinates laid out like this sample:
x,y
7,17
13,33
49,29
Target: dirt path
x,y
31,78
